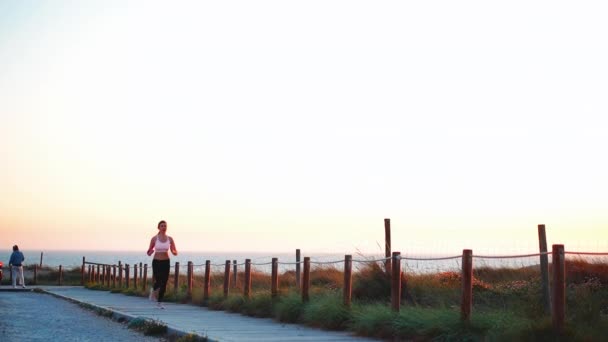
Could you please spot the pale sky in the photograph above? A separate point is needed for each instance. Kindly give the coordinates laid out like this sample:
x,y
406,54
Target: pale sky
x,y
275,125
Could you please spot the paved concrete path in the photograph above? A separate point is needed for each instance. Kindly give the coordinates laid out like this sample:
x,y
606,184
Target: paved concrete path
x,y
184,318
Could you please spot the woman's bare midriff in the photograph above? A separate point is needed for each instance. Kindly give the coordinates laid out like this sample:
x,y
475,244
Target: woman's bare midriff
x,y
161,255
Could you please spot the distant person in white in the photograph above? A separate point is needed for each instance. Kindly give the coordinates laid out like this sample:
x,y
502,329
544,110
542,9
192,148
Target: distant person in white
x,y
16,265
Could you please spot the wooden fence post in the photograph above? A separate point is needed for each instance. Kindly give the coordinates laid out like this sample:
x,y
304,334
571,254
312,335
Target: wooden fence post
x,y
128,275
82,272
274,279
141,269
226,278
466,303
247,285
176,277
60,275
348,279
97,275
234,278
119,274
109,275
144,279
41,253
113,275
234,273
90,274
35,274
306,280
387,244
544,268
298,269
559,287
135,275
189,282
207,281
396,281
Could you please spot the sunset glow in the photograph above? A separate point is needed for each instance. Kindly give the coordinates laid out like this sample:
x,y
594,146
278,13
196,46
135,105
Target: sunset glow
x,y
272,125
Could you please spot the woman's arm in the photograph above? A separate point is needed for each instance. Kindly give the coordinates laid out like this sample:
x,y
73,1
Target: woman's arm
x,y
173,248
151,248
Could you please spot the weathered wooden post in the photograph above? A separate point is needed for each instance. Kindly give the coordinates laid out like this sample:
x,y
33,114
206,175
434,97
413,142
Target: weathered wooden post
x,y
226,278
298,269
348,279
234,273
119,274
90,274
97,275
207,281
387,244
544,268
141,269
128,275
60,275
559,288
247,285
35,274
176,277
113,275
189,280
135,275
467,286
109,278
82,272
306,280
274,282
396,281
41,253
145,278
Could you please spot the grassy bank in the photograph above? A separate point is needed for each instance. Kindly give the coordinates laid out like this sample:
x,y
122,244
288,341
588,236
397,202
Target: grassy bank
x,y
507,303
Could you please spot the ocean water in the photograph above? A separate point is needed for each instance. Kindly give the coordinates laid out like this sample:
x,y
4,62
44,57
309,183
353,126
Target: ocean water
x,y
260,261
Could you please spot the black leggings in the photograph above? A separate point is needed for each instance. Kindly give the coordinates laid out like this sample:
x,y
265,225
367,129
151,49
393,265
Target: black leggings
x,y
160,273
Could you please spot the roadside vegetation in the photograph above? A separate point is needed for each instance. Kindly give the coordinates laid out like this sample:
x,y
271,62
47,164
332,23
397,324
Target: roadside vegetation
x,y
507,302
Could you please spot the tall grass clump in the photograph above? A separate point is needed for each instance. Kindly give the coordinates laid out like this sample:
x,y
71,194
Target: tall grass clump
x,y
373,320
148,326
289,308
327,311
259,305
234,303
216,302
373,284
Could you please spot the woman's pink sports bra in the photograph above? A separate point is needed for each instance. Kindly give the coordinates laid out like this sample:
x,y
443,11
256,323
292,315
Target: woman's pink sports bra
x,y
162,247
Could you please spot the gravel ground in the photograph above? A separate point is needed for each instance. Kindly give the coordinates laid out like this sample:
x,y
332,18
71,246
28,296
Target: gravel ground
x,y
28,316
